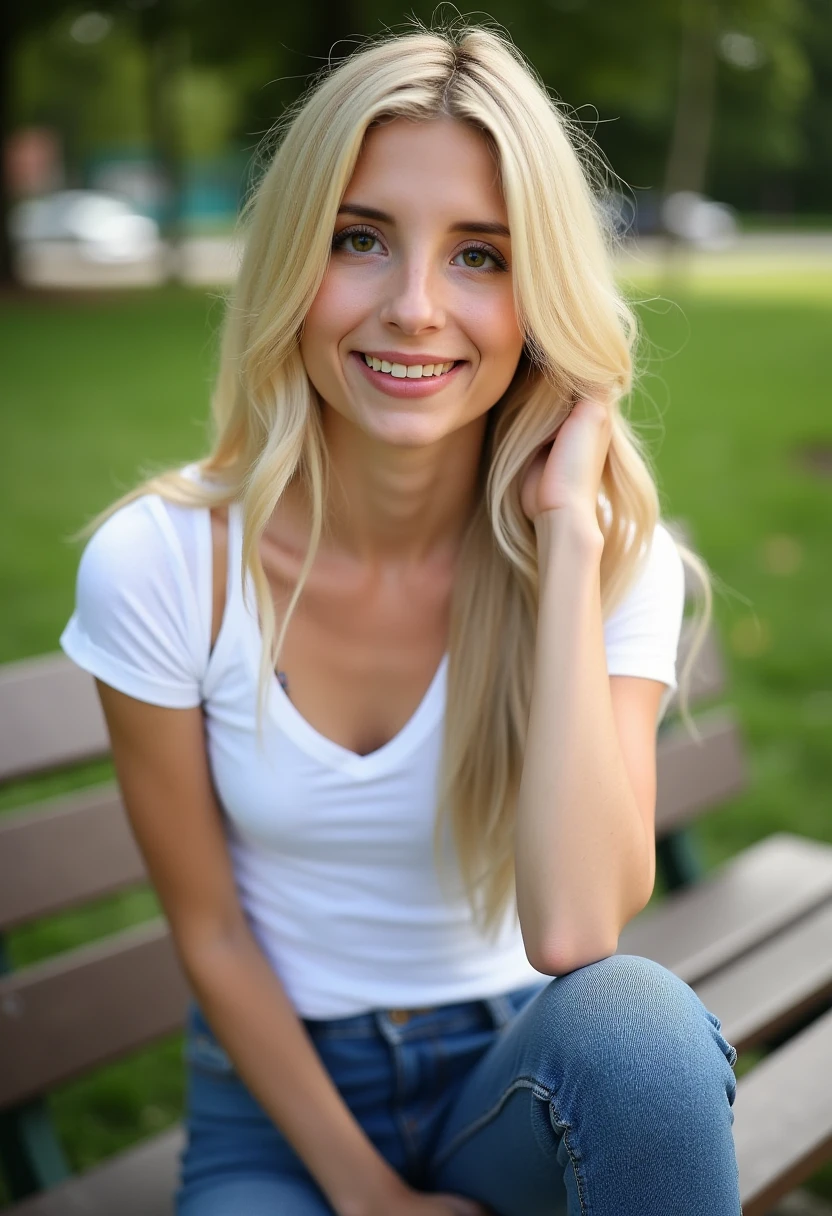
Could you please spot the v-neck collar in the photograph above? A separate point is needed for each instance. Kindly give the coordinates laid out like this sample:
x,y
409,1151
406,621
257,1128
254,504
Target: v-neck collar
x,y
423,720
427,715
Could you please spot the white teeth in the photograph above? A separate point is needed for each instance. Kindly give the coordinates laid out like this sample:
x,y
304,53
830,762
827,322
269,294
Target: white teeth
x,y
409,371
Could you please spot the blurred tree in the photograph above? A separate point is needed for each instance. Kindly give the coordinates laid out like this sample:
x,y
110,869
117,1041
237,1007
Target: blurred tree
x,y
687,160
811,181
765,88
163,28
273,52
669,88
16,19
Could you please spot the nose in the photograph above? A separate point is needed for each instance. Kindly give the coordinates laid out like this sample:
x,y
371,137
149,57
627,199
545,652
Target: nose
x,y
414,302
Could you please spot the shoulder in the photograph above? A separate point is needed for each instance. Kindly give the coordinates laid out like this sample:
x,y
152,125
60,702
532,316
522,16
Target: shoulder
x,y
142,603
137,529
660,574
144,544
642,632
663,568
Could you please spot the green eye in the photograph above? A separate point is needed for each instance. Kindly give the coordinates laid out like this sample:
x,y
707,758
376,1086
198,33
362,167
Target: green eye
x,y
355,240
474,258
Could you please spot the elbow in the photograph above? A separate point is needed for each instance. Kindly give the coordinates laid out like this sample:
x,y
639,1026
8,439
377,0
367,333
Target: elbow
x,y
557,957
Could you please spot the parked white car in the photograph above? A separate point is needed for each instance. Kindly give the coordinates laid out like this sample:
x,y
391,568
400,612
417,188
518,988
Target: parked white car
x,y
700,221
103,227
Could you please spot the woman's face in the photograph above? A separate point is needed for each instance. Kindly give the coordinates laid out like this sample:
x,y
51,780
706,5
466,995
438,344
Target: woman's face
x,y
420,281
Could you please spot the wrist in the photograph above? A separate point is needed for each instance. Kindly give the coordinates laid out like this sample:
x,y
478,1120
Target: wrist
x,y
569,529
374,1196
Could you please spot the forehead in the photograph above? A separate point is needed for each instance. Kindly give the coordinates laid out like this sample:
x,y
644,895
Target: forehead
x,y
442,164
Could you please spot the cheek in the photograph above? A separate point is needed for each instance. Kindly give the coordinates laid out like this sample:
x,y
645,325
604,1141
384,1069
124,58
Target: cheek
x,y
493,324
317,328
329,319
341,302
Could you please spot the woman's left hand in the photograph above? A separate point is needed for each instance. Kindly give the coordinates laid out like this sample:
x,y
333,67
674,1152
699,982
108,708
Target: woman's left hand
x,y
566,473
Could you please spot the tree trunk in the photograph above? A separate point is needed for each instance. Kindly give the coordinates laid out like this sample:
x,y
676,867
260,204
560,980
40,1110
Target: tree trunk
x,y
8,277
690,144
166,51
336,28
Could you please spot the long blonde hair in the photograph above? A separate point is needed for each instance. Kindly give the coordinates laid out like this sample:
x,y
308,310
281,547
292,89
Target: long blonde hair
x,y
579,340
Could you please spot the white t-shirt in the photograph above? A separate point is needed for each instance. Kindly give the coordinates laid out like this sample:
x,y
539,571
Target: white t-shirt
x,y
332,851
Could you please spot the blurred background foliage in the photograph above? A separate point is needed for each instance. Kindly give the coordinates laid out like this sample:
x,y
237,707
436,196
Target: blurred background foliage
x,y
729,97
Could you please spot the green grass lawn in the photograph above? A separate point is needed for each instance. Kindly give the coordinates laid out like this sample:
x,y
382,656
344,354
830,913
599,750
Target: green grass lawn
x,y
736,390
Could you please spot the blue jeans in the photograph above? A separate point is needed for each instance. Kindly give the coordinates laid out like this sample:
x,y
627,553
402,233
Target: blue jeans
x,y
607,1091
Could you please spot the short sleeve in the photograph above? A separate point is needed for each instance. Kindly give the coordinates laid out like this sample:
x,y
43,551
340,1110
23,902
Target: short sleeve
x,y
642,633
136,622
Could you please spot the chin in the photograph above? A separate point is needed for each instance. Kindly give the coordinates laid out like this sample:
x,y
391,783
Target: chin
x,y
407,432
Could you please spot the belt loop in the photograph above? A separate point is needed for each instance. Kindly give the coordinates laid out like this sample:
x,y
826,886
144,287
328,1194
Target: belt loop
x,y
501,1010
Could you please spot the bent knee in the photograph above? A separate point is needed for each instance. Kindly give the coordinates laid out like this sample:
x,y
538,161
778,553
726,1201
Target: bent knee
x,y
628,1005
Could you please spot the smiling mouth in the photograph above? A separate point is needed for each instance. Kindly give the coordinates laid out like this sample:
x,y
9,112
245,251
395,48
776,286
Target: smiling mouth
x,y
408,371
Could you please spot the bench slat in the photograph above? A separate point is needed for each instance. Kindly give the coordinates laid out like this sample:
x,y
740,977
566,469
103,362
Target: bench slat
x,y
64,852
138,1182
694,777
49,716
65,1016
783,1118
747,901
773,987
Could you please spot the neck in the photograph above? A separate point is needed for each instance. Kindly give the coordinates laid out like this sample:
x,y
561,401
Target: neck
x,y
402,505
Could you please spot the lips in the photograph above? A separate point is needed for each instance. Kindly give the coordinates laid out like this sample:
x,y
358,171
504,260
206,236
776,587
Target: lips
x,y
409,371
408,384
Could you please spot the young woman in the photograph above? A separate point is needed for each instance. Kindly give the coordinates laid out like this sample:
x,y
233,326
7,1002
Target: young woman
x,y
382,675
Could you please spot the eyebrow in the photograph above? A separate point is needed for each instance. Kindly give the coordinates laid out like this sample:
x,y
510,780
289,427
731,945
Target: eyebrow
x,y
484,227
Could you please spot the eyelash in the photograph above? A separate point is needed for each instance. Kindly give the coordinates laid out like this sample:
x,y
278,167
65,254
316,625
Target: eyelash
x,y
341,238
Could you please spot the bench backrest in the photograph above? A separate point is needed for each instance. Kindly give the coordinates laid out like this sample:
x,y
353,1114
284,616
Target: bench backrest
x,y
97,1003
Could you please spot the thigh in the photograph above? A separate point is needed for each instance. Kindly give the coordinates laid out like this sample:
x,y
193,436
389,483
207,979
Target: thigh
x,y
254,1196
591,1098
234,1150
497,1144
235,1159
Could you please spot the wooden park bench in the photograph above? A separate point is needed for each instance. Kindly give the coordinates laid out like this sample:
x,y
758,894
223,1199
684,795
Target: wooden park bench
x,y
752,938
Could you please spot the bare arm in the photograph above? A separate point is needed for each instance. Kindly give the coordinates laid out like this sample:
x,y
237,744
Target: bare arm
x,y
162,768
585,851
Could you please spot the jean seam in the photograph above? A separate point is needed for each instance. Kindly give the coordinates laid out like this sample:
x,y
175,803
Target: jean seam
x,y
564,1129
539,1090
